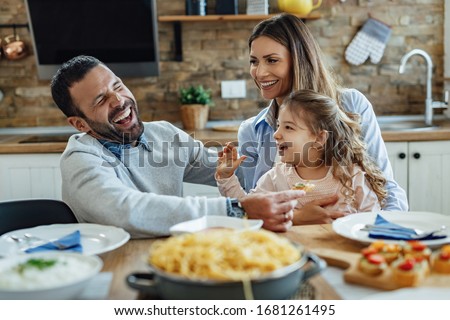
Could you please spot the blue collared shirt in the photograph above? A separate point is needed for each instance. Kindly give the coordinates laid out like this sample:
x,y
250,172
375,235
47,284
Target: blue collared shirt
x,y
256,141
118,148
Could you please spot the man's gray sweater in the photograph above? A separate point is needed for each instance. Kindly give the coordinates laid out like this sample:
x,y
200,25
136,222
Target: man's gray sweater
x,y
141,192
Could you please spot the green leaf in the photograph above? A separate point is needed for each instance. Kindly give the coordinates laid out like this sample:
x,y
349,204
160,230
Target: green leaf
x,y
195,95
39,264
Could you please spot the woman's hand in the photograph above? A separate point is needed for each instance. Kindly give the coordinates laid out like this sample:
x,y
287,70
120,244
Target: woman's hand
x,y
228,161
274,208
314,213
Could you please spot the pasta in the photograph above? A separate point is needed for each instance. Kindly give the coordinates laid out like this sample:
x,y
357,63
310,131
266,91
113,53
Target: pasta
x,y
223,254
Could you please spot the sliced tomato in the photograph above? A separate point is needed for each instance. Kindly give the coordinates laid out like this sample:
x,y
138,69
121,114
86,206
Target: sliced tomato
x,y
368,251
417,245
444,255
375,258
407,265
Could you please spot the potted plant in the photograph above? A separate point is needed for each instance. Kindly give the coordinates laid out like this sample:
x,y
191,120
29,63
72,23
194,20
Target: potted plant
x,y
195,102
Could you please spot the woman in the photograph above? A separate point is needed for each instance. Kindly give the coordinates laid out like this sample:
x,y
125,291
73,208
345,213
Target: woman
x,y
284,57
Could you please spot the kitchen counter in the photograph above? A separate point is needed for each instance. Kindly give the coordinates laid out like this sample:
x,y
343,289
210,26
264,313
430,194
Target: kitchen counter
x,y
53,139
441,133
32,143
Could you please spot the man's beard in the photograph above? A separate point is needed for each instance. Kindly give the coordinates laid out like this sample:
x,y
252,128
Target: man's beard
x,y
108,131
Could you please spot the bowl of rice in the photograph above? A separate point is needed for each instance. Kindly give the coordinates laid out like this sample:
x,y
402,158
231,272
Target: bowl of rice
x,y
46,275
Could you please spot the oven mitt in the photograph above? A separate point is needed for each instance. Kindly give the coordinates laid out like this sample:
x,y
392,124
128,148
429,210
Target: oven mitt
x,y
370,41
397,232
70,242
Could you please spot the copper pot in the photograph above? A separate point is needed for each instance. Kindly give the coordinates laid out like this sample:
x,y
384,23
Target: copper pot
x,y
14,48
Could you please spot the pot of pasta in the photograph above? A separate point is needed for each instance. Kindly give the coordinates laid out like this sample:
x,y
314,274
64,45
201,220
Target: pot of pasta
x,y
226,264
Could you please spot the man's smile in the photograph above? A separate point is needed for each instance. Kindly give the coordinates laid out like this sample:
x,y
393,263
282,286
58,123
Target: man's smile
x,y
123,117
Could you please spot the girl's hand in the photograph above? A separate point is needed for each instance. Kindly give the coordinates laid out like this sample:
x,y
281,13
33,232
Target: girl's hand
x,y
228,161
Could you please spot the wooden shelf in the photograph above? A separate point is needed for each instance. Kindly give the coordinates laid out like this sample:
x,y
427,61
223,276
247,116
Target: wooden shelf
x,y
230,17
177,21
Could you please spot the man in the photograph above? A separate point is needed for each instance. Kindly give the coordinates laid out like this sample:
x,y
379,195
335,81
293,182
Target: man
x,y
120,171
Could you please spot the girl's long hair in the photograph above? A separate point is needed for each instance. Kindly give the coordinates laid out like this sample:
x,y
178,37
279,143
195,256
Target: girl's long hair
x,y
344,146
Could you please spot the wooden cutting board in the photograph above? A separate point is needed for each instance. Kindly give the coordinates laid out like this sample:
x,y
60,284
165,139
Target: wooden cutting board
x,y
349,262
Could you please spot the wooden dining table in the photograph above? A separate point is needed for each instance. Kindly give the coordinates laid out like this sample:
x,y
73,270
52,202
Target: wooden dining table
x,y
132,257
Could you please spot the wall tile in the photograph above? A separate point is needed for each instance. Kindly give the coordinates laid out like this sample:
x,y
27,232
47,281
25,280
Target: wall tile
x,y
216,51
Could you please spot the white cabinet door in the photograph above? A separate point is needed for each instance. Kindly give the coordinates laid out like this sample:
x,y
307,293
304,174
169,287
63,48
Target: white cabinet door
x,y
429,176
30,176
398,156
423,170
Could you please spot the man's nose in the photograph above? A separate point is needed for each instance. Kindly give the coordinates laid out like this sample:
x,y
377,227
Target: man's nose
x,y
115,99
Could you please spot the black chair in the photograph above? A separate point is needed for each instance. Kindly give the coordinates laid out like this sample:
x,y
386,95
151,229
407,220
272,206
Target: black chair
x,y
20,214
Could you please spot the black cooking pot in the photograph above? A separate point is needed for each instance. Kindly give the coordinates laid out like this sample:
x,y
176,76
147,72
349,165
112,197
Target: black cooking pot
x,y
280,284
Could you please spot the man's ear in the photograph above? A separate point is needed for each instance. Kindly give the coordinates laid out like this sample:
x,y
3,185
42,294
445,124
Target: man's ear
x,y
322,137
78,123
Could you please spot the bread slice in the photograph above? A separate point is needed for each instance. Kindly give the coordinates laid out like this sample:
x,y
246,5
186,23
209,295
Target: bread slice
x,y
409,272
441,260
303,186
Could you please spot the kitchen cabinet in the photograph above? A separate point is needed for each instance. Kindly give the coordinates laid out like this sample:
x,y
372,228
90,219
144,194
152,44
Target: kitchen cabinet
x,y
423,170
39,176
30,176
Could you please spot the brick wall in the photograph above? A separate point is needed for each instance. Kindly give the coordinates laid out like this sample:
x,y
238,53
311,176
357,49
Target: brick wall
x,y
216,51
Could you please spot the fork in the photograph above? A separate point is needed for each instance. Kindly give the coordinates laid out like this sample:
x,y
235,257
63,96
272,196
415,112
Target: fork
x,y
369,227
29,237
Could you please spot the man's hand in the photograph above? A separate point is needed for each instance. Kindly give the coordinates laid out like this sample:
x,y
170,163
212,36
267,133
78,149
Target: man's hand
x,y
274,208
314,213
228,161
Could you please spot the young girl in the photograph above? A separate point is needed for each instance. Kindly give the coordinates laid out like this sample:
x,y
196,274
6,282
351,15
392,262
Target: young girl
x,y
318,144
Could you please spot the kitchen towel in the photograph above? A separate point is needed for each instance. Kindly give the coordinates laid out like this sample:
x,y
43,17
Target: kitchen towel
x,y
370,41
71,242
397,232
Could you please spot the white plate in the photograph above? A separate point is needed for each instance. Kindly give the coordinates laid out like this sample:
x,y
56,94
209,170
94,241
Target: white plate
x,y
206,222
95,238
422,293
68,287
349,226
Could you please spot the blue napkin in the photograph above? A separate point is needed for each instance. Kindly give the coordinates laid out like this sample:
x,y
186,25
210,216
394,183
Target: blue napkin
x,y
397,232
72,241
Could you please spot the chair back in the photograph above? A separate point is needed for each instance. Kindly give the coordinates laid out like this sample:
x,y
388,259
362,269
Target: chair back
x,y
28,213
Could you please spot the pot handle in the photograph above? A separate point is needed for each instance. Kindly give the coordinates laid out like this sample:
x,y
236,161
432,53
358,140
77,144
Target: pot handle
x,y
316,266
143,282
